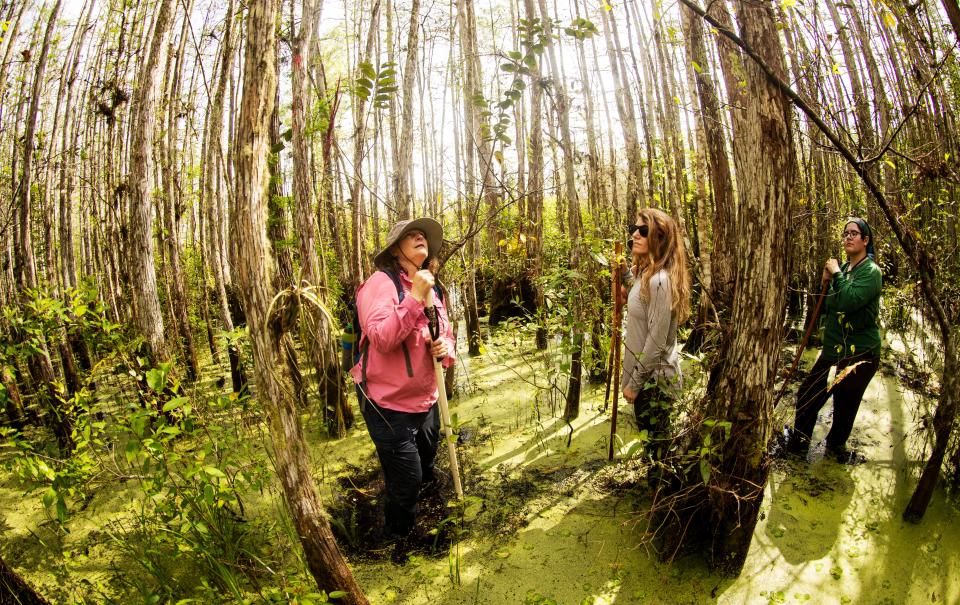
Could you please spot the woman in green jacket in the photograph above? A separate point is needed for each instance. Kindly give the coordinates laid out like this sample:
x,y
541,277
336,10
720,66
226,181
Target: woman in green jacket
x,y
851,341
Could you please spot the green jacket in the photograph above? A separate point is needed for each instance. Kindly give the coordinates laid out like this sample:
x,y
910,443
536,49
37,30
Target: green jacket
x,y
853,307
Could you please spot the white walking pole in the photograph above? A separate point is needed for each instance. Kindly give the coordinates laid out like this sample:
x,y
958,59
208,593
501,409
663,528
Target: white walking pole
x,y
442,401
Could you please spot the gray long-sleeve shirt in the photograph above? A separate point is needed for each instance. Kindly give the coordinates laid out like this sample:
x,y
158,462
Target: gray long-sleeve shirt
x,y
650,345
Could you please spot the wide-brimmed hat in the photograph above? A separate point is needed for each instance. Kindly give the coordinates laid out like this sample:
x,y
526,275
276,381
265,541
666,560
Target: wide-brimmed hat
x,y
430,228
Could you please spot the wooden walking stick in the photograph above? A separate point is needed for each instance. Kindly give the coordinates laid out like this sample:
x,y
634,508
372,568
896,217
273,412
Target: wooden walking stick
x,y
615,348
434,317
824,285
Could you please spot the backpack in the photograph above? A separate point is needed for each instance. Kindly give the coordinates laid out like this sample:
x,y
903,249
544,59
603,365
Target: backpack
x,y
352,339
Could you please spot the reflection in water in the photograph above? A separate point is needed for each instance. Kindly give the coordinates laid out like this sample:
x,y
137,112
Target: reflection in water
x,y
807,504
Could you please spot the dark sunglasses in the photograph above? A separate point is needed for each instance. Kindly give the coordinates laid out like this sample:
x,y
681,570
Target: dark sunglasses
x,y
643,229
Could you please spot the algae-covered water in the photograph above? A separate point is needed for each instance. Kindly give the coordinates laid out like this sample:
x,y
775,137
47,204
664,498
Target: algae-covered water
x,y
549,522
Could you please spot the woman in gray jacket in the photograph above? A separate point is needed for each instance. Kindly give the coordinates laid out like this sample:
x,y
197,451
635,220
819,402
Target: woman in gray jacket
x,y
658,301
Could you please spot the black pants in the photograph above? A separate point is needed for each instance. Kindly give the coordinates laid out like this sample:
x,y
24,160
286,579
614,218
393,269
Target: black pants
x,y
407,446
652,408
847,394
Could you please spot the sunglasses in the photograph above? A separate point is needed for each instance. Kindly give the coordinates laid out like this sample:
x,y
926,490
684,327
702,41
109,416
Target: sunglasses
x,y
643,229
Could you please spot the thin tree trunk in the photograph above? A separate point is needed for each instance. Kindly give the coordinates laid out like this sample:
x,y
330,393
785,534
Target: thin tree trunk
x,y
625,110
254,267
402,187
144,285
358,237
173,205
27,262
319,339
214,183
534,188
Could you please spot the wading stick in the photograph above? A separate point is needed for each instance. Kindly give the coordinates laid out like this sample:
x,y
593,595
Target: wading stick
x,y
616,278
806,337
434,317
615,348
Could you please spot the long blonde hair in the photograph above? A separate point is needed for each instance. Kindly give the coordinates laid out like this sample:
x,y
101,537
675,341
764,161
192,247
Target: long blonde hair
x,y
665,250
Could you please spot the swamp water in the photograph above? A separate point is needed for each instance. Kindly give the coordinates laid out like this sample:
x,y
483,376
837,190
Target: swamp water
x,y
552,523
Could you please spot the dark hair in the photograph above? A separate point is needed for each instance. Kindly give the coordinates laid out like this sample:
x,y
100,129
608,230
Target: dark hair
x,y
865,231
392,264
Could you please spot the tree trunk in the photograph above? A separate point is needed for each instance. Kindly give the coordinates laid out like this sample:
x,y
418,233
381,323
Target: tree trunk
x,y
534,187
14,590
254,268
953,13
402,187
574,228
943,422
319,339
144,284
625,110
359,221
173,205
722,261
215,170
58,417
739,393
27,262
11,395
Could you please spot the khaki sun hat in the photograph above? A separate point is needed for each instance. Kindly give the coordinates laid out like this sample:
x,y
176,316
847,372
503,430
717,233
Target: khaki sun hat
x,y
430,228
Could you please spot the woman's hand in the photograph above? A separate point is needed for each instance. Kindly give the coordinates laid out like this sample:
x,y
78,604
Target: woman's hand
x,y
831,267
439,349
629,395
423,282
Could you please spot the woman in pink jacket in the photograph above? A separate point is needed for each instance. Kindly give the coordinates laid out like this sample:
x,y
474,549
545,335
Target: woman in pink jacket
x,y
396,381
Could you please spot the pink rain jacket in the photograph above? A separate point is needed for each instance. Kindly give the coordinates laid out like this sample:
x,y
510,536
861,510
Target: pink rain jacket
x,y
387,323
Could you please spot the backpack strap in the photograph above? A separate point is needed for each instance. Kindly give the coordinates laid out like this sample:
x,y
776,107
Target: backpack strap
x,y
395,278
364,345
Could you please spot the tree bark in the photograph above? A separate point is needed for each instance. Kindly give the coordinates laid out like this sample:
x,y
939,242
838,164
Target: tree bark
x,y
215,170
358,268
625,110
402,187
173,209
144,284
27,262
254,268
739,392
319,339
722,261
14,590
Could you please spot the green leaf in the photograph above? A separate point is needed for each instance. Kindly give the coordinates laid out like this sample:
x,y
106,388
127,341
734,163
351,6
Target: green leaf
x,y
131,451
337,594
156,379
277,147
705,471
61,510
174,403
214,472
